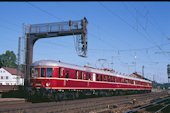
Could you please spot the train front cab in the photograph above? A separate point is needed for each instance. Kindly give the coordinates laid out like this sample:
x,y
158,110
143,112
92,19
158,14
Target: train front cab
x,y
40,75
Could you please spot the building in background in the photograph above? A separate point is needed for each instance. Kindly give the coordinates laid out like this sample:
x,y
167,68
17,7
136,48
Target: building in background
x,y
8,76
136,75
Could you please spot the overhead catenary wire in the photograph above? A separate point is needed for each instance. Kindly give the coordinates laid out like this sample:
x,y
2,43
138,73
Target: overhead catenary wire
x,y
50,14
144,28
60,19
54,16
96,36
157,27
10,29
151,38
147,38
128,50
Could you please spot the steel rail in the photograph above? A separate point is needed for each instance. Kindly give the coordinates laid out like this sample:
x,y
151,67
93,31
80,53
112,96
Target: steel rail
x,y
162,108
147,106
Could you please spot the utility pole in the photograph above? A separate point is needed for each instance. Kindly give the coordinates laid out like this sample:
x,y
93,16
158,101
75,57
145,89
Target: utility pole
x,y
112,63
135,62
168,72
143,70
24,37
18,69
153,77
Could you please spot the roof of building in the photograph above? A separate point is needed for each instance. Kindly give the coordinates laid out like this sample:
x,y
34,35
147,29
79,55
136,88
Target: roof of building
x,y
13,71
136,75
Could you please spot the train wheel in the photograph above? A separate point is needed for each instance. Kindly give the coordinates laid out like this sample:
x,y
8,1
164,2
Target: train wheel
x,y
76,94
56,97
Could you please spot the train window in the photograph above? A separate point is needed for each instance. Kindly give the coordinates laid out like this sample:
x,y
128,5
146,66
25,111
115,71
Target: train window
x,y
137,82
126,81
115,79
86,76
60,72
49,72
81,75
105,78
111,79
97,77
42,72
89,76
36,73
122,80
77,74
108,78
67,74
101,77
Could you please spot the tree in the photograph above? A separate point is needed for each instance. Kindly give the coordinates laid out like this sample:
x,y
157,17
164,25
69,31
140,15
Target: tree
x,y
8,59
0,64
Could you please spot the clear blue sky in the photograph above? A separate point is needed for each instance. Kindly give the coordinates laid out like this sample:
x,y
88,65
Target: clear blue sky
x,y
123,29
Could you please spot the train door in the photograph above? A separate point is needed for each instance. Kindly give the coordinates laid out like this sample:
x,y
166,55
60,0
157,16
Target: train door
x,y
94,77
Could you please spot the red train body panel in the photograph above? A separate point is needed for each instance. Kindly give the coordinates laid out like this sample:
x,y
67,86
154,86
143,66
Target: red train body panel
x,y
61,76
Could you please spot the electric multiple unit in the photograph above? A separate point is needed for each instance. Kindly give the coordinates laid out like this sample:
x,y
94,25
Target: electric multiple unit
x,y
57,75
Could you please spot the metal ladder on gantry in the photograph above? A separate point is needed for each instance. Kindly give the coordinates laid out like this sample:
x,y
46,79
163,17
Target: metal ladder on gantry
x,y
37,31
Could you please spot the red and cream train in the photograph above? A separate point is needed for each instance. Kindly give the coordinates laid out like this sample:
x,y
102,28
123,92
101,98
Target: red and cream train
x,y
59,76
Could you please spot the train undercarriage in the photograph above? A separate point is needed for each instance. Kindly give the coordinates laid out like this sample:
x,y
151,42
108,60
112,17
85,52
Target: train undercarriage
x,y
44,95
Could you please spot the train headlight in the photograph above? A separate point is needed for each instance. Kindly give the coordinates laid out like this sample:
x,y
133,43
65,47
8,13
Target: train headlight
x,y
47,84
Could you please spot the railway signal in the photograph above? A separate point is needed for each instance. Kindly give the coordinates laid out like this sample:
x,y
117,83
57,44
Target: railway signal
x,y
34,32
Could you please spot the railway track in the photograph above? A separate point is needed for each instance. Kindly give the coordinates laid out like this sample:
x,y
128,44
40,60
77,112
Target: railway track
x,y
154,106
163,109
81,105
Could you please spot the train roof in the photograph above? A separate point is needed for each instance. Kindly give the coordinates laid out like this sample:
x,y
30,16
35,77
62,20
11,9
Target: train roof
x,y
83,68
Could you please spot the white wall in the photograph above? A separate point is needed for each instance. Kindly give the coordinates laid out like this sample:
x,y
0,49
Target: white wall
x,y
11,79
